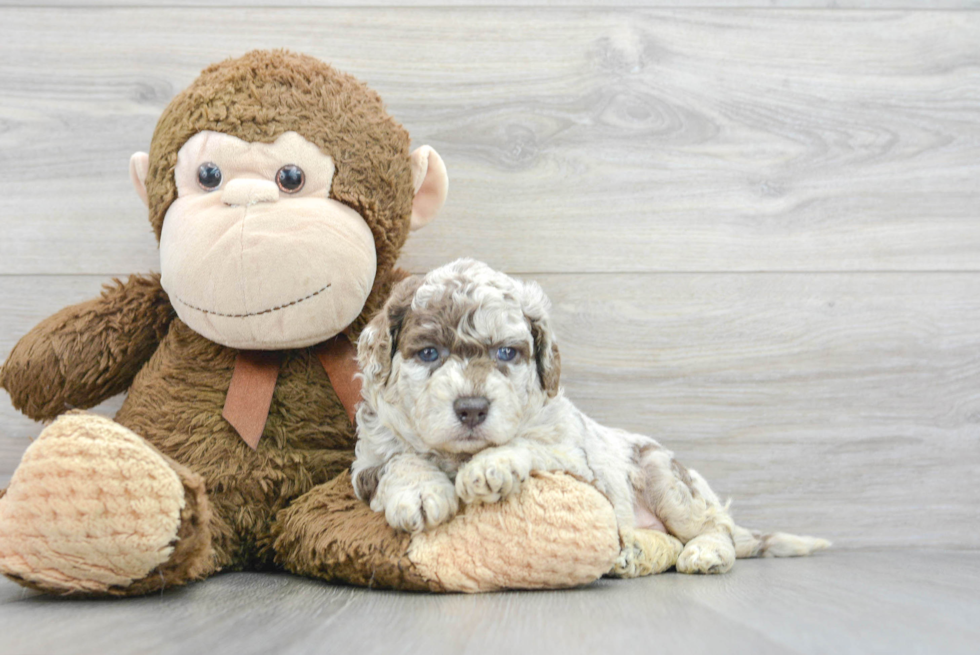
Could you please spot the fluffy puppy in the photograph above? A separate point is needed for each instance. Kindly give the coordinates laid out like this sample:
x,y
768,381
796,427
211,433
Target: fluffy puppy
x,y
462,403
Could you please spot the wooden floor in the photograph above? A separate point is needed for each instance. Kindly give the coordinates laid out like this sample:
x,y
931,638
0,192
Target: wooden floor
x,y
873,601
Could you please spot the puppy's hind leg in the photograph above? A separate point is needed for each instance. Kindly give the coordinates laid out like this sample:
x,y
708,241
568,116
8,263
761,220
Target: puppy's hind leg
x,y
645,546
645,552
691,511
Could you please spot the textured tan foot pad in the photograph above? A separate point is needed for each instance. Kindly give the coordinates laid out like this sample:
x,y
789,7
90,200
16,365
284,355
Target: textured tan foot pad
x,y
556,533
90,506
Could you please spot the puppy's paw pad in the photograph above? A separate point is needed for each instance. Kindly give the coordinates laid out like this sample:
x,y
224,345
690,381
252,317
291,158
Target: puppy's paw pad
x,y
439,504
406,514
418,509
654,551
471,484
625,565
490,478
706,557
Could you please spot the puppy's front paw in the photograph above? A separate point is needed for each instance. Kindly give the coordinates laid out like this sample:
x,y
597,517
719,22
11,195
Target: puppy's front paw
x,y
490,477
422,507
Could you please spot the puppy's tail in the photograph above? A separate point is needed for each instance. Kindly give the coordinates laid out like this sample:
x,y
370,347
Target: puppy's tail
x,y
749,543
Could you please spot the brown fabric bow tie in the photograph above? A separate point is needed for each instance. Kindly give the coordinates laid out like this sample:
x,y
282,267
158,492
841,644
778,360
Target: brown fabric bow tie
x,y
254,381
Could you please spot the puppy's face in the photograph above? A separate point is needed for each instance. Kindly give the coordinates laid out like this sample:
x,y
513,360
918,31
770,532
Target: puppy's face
x,y
457,360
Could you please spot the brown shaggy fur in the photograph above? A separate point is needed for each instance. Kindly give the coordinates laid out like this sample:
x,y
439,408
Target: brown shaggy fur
x,y
88,352
130,338
329,533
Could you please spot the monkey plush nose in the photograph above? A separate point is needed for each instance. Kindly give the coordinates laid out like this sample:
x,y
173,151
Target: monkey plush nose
x,y
245,192
471,410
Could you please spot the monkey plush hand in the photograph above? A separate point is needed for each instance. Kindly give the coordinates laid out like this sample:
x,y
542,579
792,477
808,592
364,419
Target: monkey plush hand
x,y
281,194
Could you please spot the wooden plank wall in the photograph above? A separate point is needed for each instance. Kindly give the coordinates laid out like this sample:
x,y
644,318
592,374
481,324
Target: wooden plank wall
x,y
760,227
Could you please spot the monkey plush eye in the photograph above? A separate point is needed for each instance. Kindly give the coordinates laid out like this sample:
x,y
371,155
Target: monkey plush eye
x,y
428,355
290,178
506,354
209,176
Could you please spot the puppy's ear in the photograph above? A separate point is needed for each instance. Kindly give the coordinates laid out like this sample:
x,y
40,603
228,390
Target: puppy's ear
x,y
379,339
535,305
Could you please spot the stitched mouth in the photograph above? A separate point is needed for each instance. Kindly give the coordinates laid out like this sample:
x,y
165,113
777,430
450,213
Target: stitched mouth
x,y
259,313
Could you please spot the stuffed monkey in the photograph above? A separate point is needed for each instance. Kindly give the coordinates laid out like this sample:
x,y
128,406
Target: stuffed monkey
x,y
281,193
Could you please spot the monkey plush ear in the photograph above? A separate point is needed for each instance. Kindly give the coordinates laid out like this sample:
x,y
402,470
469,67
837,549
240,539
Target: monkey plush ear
x,y
139,165
431,185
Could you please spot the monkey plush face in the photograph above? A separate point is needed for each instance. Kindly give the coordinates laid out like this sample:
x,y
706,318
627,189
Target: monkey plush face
x,y
250,248
281,192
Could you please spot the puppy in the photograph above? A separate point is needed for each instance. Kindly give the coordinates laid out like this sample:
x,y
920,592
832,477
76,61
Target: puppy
x,y
462,403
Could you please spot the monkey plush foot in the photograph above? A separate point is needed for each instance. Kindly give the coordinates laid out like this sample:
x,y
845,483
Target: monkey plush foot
x,y
93,509
557,532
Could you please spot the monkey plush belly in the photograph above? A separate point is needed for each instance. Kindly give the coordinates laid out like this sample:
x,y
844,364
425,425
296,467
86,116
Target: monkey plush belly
x,y
175,403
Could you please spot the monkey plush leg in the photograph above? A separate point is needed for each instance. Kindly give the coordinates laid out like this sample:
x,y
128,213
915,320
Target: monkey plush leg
x,y
557,532
93,509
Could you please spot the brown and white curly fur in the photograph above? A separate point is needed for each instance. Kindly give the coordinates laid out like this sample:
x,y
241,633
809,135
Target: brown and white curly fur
x,y
462,403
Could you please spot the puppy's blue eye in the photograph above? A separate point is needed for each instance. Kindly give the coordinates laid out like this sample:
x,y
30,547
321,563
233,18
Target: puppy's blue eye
x,y
428,354
506,354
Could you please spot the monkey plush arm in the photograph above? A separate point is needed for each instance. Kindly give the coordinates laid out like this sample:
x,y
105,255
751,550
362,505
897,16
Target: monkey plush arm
x,y
88,352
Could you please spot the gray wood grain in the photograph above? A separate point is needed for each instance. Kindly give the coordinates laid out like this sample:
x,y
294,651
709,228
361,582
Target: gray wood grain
x,y
577,139
841,405
888,602
752,4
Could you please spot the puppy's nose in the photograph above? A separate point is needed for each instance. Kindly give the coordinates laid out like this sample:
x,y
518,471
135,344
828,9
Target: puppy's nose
x,y
471,410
